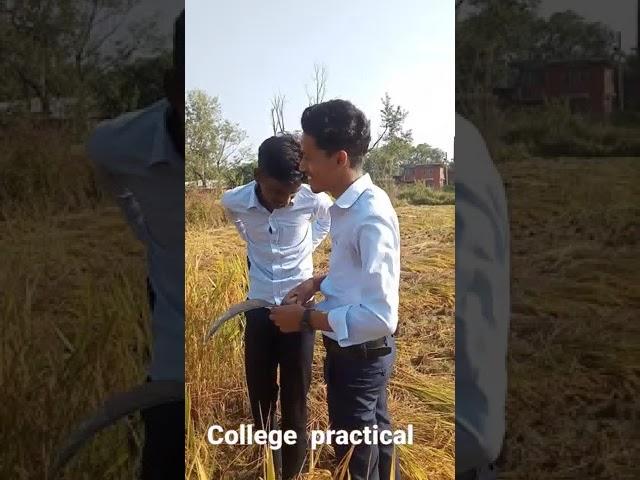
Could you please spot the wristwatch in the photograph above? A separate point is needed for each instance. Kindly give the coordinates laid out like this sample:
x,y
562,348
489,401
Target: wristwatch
x,y
306,320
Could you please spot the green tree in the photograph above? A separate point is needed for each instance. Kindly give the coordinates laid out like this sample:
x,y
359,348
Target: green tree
x,y
392,119
393,146
58,47
131,86
567,35
424,153
213,145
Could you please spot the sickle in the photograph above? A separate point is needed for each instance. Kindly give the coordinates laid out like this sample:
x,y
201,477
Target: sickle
x,y
142,397
234,310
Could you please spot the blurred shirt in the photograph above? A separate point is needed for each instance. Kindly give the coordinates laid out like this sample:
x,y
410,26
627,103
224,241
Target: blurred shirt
x,y
280,244
361,289
482,301
138,162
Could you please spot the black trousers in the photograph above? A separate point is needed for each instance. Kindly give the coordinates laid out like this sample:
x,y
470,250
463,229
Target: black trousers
x,y
266,348
163,451
357,398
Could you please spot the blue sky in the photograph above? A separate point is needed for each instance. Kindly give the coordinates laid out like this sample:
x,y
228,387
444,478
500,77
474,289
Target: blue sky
x,y
247,50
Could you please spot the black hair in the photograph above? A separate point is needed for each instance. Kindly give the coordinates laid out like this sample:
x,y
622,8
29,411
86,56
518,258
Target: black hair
x,y
338,125
279,158
178,43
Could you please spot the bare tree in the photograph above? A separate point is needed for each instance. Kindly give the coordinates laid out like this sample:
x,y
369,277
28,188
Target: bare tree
x,y
277,113
319,84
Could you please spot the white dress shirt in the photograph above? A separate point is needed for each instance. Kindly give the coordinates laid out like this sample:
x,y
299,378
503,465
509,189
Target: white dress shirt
x,y
362,286
136,157
482,298
280,244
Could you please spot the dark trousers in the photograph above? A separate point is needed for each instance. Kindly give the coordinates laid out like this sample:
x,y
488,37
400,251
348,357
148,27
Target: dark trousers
x,y
469,454
163,451
266,348
357,397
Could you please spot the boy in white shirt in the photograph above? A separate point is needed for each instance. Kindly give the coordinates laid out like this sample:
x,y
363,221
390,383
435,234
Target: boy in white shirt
x,y
359,315
282,222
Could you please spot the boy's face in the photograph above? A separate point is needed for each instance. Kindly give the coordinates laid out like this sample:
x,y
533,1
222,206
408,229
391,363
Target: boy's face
x,y
321,168
274,193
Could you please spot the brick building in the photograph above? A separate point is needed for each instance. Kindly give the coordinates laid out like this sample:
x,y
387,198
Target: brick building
x,y
588,85
434,175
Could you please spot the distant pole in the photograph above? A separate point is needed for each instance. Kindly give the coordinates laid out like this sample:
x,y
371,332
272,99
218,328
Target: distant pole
x,y
638,29
620,70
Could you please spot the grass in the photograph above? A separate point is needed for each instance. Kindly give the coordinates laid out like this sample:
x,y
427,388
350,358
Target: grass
x,y
72,307
574,367
552,130
421,391
420,194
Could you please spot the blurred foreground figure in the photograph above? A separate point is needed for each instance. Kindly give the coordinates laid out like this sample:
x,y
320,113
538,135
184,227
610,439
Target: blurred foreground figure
x,y
482,306
140,157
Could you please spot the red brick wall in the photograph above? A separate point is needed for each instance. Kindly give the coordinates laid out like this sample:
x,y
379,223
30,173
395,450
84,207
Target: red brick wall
x,y
592,81
432,175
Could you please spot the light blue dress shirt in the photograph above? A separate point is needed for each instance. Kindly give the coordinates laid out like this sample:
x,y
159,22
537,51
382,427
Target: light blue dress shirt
x,y
361,289
280,244
482,301
140,165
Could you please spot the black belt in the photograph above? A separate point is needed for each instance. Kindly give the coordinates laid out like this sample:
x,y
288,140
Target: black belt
x,y
368,350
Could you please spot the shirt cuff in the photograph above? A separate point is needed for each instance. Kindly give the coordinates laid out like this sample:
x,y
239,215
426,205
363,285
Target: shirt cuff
x,y
338,321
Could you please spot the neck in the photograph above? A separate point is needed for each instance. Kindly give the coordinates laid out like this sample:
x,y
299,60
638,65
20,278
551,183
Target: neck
x,y
262,201
348,180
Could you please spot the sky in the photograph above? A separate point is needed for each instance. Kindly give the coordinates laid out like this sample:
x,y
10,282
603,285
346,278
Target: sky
x,y
620,15
246,51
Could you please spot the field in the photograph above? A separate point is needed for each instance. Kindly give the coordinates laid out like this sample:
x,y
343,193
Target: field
x,y
75,319
72,283
574,362
421,390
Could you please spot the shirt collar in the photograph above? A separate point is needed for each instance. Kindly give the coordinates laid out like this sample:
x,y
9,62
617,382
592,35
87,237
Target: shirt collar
x,y
163,149
254,201
351,194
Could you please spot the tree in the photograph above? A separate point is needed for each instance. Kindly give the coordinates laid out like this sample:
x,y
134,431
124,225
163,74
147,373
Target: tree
x,y
131,86
319,85
567,35
393,146
277,113
241,174
392,118
424,153
213,145
57,46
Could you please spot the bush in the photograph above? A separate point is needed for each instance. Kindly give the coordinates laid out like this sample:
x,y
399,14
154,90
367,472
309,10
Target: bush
x,y
202,210
553,130
420,194
44,173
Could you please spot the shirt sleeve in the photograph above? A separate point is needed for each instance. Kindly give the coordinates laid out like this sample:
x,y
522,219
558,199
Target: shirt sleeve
x,y
376,315
234,218
126,201
112,182
322,221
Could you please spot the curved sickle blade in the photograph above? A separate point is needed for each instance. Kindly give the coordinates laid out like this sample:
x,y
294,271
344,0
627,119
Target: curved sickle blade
x,y
236,309
142,397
